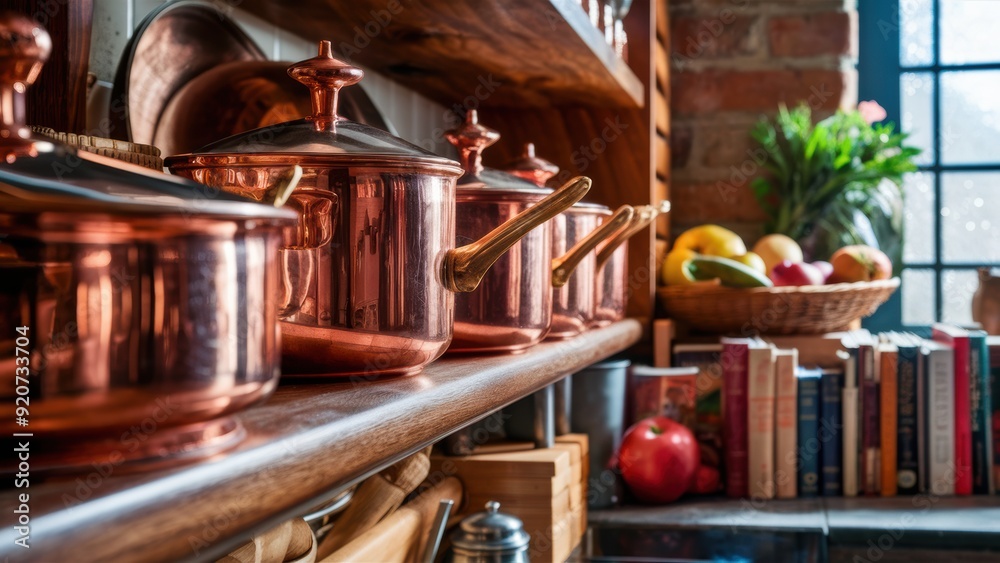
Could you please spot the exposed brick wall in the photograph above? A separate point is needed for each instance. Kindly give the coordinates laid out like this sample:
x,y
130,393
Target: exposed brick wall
x,y
733,61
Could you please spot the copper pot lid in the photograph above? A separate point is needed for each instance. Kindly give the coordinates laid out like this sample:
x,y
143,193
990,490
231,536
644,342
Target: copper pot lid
x,y
325,133
532,168
471,139
38,173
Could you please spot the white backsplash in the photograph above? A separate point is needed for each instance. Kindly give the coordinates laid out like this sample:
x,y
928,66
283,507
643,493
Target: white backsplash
x,y
415,118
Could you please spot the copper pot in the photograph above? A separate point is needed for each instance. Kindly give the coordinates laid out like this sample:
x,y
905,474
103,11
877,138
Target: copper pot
x,y
611,290
379,288
512,309
142,306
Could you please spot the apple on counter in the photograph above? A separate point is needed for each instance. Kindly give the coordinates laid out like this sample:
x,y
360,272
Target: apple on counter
x,y
659,460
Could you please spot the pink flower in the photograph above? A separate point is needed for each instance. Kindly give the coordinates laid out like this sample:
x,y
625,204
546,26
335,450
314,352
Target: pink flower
x,y
871,112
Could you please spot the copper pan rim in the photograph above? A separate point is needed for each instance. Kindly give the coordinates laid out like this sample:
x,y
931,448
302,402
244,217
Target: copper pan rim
x,y
395,163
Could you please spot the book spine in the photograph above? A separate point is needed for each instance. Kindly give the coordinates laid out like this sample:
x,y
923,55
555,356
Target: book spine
x,y
786,425
907,457
761,422
888,389
851,415
830,428
994,367
809,442
980,404
941,423
870,426
734,389
923,425
963,420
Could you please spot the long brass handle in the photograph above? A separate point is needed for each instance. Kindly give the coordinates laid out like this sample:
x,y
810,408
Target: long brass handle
x,y
644,215
563,266
465,266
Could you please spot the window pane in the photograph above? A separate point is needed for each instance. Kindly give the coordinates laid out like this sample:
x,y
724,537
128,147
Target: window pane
x,y
970,217
915,37
918,220
918,297
970,116
958,287
964,37
916,90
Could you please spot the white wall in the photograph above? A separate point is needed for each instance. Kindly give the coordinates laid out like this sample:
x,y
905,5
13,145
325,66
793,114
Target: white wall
x,y
414,116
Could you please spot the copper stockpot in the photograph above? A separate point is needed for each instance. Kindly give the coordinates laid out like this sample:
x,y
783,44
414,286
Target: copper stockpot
x,y
585,225
148,303
512,309
379,287
611,290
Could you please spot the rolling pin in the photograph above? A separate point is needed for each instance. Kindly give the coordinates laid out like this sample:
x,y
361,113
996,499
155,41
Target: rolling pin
x,y
400,537
375,499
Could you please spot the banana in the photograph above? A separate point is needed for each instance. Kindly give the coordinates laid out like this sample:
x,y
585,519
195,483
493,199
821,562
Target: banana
x,y
730,272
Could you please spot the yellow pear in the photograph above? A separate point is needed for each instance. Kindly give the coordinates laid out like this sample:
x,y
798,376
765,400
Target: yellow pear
x,y
673,271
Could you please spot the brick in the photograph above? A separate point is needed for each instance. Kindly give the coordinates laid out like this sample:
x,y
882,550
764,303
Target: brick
x,y
810,35
724,35
719,202
759,90
725,147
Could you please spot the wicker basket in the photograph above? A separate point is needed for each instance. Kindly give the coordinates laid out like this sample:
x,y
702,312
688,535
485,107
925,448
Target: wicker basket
x,y
774,310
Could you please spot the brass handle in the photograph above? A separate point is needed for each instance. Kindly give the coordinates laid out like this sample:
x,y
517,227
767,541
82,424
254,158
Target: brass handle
x,y
644,215
563,266
464,267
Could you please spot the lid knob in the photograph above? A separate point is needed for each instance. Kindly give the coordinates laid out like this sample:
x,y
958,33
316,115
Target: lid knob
x,y
531,168
24,47
470,139
325,76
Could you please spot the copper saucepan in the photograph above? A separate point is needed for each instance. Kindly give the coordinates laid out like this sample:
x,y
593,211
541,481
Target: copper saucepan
x,y
138,310
512,310
380,292
611,291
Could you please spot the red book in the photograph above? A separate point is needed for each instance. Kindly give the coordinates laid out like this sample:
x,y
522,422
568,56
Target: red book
x,y
958,339
734,415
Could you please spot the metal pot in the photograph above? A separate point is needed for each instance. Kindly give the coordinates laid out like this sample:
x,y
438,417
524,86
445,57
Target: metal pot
x,y
143,306
512,309
585,225
490,537
611,265
379,287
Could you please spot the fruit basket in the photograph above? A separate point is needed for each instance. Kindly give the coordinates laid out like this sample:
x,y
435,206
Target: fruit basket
x,y
811,309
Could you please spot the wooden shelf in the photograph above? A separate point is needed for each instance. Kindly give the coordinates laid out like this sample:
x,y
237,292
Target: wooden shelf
x,y
521,53
304,445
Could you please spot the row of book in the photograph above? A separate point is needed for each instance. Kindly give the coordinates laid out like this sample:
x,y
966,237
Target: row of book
x,y
888,414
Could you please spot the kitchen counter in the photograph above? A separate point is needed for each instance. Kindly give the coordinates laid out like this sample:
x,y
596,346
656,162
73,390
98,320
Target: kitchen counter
x,y
308,442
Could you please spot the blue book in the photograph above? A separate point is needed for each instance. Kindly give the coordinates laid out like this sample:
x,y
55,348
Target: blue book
x,y
980,407
908,434
809,443
830,426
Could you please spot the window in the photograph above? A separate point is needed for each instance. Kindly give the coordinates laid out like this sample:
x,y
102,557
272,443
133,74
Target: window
x,y
935,66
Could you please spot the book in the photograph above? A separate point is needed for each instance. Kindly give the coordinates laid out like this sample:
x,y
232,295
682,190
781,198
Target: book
x,y
809,446
907,399
888,389
785,423
980,407
760,421
849,399
958,339
734,414
940,369
668,392
870,473
993,344
831,430
708,396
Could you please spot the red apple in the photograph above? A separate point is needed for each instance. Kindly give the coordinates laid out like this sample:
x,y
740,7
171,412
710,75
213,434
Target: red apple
x,y
796,273
706,481
658,459
860,263
825,268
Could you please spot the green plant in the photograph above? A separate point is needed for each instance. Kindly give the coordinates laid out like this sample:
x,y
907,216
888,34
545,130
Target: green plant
x,y
826,183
